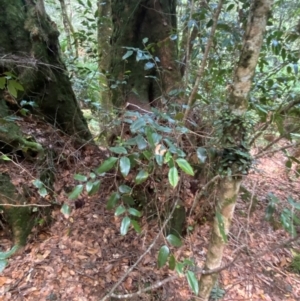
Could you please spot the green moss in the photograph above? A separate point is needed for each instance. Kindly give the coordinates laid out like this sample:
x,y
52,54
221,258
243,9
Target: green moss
x,y
19,218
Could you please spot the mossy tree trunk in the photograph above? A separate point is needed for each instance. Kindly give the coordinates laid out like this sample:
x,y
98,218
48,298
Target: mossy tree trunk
x,y
148,28
30,51
31,71
235,140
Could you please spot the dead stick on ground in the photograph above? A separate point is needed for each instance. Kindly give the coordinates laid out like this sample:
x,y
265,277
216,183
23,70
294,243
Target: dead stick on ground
x,y
201,271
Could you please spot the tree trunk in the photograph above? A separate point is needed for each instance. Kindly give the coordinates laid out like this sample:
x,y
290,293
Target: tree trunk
x,y
30,49
31,71
148,30
237,101
104,48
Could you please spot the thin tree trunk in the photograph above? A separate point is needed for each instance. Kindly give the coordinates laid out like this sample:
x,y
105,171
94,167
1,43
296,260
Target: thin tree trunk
x,y
238,104
69,29
104,48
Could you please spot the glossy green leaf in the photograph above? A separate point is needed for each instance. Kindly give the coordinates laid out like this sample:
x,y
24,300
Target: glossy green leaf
x,y
11,89
106,165
125,225
120,150
134,212
149,65
145,40
185,166
38,183
43,191
127,54
174,240
163,255
124,189
221,226
80,177
120,210
179,266
141,142
193,282
136,226
159,159
7,254
124,166
138,124
5,158
76,192
112,201
65,210
201,154
172,262
92,187
141,177
173,176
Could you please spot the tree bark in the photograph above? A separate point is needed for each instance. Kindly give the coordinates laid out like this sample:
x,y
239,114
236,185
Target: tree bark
x,y
31,71
149,28
238,103
30,50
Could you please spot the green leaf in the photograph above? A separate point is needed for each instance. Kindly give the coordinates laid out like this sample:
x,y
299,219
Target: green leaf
x,y
134,212
185,166
174,240
124,166
145,40
120,210
5,158
193,282
201,154
92,187
179,267
221,226
124,189
76,192
136,226
149,65
16,85
65,210
163,255
173,176
125,225
128,199
80,177
172,262
141,177
106,165
112,201
120,150
127,54
159,159
3,264
141,142
11,89
139,123
43,192
7,254
2,82
38,183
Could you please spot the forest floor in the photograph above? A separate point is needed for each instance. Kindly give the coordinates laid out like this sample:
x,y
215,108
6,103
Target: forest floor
x,y
81,257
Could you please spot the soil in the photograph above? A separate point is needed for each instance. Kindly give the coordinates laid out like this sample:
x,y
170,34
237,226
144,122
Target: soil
x,y
81,257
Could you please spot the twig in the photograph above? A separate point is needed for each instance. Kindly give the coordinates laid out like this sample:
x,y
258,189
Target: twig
x,y
204,61
209,272
142,256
